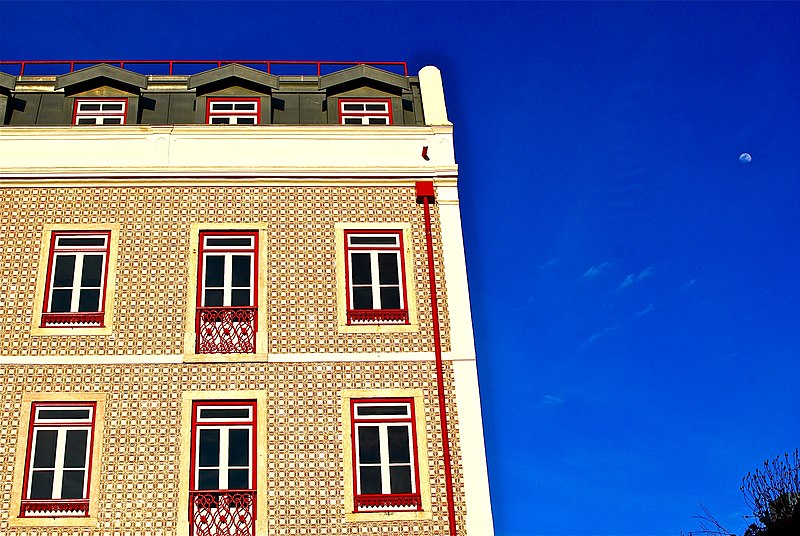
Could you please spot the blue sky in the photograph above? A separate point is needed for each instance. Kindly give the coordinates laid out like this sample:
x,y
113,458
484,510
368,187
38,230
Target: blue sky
x,y
635,286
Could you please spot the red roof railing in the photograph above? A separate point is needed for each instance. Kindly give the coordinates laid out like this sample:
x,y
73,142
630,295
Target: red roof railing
x,y
202,64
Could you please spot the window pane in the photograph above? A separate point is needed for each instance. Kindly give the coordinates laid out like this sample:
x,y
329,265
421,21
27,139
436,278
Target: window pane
x,y
369,448
222,413
87,121
229,242
65,269
400,478
214,298
353,107
378,120
389,240
89,106
209,448
398,445
365,411
215,270
72,484
238,478
387,268
376,107
64,241
208,479
112,106
370,480
362,298
221,106
241,270
352,121
240,298
245,106
360,270
61,301
112,120
42,485
239,447
63,414
92,270
75,449
246,121
45,446
89,300
220,120
390,298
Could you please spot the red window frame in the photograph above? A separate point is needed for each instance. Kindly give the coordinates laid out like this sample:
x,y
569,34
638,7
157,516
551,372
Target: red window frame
x,y
209,509
58,507
75,318
77,113
232,113
379,315
384,502
365,114
226,329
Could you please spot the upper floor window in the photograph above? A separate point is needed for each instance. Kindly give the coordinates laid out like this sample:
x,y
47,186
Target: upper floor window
x,y
376,289
232,111
365,111
76,280
100,111
222,482
386,474
227,280
58,468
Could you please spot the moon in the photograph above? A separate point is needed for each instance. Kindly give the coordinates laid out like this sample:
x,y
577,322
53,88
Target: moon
x,y
745,157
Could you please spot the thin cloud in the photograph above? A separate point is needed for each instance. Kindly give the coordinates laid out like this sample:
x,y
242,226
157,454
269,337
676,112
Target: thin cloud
x,y
597,269
597,336
689,284
635,278
550,400
548,264
644,311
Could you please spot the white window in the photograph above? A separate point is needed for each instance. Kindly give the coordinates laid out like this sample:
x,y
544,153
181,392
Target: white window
x,y
385,459
232,111
224,446
100,111
59,451
365,112
76,283
376,279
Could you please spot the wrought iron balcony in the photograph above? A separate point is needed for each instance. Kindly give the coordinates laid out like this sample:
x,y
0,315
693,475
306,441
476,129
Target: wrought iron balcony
x,y
54,508
226,330
222,513
377,316
380,502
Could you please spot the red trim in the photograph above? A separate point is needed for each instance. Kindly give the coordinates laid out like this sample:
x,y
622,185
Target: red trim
x,y
390,501
451,513
203,64
57,506
376,316
387,101
124,115
211,100
68,319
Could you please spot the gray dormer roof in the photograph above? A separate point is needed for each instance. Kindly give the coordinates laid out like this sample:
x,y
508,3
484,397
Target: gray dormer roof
x,y
366,72
234,71
7,83
105,75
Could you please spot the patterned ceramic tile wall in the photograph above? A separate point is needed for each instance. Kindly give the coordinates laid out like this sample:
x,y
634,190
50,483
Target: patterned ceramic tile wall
x,y
152,265
140,476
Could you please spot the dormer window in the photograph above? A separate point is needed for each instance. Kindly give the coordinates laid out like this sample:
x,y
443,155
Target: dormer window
x,y
232,111
365,111
100,111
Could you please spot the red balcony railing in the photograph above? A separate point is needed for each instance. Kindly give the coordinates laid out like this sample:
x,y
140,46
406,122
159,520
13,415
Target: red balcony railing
x,y
222,513
397,501
226,330
377,316
55,508
193,66
72,319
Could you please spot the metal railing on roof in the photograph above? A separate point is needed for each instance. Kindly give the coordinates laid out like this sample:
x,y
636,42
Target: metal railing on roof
x,y
193,66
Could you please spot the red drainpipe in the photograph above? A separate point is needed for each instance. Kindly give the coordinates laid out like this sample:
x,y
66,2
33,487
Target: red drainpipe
x,y
426,195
